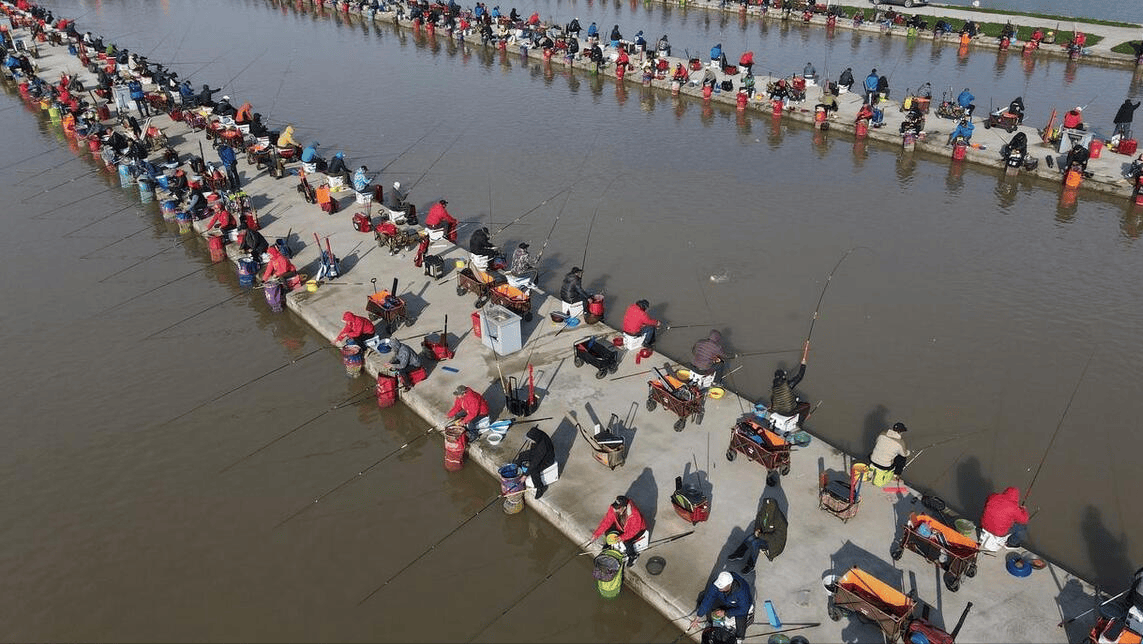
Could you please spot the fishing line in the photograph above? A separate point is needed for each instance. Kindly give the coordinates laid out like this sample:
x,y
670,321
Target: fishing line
x,y
235,77
281,84
62,183
72,203
535,208
234,389
640,373
164,284
567,198
109,245
433,164
829,278
1056,433
523,596
430,549
192,316
92,223
943,441
176,245
347,401
749,354
413,145
591,225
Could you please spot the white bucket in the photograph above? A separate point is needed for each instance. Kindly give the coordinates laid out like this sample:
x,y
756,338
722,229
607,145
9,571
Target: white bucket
x,y
549,475
573,310
337,183
309,168
232,234
436,234
363,198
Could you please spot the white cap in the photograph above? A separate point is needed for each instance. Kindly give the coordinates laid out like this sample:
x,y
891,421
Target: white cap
x,y
396,185
226,98
723,581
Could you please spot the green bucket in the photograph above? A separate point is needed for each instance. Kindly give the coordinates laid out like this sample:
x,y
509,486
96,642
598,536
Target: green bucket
x,y
966,528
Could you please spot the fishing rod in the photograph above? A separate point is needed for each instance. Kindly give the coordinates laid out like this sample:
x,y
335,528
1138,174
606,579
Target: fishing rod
x,y
433,164
522,597
192,316
535,208
110,244
348,401
96,221
500,423
281,85
235,77
1096,607
676,537
748,354
1056,433
152,290
63,183
234,389
567,198
430,549
668,327
797,626
413,145
172,247
204,65
640,373
829,279
943,441
591,225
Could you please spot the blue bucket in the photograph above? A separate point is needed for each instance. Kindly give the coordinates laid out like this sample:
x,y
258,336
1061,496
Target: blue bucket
x,y
246,270
125,179
169,209
164,181
185,223
146,190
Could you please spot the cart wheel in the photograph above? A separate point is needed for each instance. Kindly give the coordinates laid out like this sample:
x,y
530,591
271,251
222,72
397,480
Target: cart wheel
x,y
577,361
730,454
952,582
680,424
460,290
698,417
601,374
988,124
528,316
771,478
785,469
614,367
410,321
896,551
481,301
834,612
970,572
249,159
651,404
1011,129
258,165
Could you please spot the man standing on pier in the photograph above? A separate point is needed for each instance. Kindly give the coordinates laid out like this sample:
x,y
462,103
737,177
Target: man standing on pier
x,y
1124,117
230,162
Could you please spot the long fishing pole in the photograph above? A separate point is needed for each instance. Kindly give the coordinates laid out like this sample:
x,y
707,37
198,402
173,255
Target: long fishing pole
x,y
591,225
411,146
535,208
236,388
193,315
1056,433
430,549
235,77
348,401
829,279
204,65
1096,607
110,244
96,221
152,290
945,440
62,183
676,537
434,163
748,354
522,597
640,373
152,256
540,255
795,627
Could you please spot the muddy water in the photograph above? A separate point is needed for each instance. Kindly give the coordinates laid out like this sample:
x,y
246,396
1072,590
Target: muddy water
x,y
133,510
974,305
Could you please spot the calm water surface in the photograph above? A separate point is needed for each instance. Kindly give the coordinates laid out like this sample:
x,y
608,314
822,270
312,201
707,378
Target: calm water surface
x,y
974,304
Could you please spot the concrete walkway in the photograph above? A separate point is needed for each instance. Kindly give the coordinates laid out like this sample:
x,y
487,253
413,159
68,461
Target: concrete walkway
x,y
1005,608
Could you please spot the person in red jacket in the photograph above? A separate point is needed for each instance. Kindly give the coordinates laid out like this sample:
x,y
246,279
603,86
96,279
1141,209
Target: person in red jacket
x,y
637,322
469,406
1004,516
278,266
439,218
223,219
356,328
624,519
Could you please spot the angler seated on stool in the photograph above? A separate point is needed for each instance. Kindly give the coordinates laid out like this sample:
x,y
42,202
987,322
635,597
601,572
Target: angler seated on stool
x,y
573,297
889,455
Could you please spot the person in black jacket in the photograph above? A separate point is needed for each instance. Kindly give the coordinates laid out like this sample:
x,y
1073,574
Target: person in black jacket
x,y
1123,118
540,455
572,291
769,534
782,398
480,244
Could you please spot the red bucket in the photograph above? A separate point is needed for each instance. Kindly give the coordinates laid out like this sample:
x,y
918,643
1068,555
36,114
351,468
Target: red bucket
x,y
960,150
217,248
454,452
353,359
386,390
476,323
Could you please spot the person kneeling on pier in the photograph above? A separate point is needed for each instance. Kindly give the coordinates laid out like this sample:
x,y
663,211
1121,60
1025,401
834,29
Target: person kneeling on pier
x,y
254,243
405,360
1003,521
356,328
889,454
539,456
636,321
769,535
440,219
729,602
624,519
278,266
469,406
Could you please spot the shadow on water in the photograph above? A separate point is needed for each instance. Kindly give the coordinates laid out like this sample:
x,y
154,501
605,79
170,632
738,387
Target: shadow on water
x,y
1107,552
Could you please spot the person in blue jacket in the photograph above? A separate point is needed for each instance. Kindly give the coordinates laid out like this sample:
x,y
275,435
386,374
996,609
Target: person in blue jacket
x,y
310,155
230,162
137,95
871,82
965,99
716,56
728,596
592,31
186,94
963,130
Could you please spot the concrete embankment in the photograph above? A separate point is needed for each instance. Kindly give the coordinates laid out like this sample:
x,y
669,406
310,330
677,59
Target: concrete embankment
x,y
1006,608
1106,172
